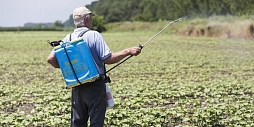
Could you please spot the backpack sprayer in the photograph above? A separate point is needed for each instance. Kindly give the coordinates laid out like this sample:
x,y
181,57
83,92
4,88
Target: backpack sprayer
x,y
142,46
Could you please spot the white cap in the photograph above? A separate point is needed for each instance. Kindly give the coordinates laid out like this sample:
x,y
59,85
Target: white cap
x,y
80,12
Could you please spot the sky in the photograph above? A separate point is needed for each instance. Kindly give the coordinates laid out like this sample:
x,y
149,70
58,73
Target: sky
x,y
15,13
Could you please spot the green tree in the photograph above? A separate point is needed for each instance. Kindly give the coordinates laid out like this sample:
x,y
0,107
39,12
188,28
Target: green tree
x,y
58,24
99,23
39,25
154,10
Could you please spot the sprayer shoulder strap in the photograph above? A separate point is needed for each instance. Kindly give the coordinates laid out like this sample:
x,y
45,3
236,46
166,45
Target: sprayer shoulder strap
x,y
80,34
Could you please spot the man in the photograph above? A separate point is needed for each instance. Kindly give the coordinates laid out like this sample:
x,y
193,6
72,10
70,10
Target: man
x,y
89,100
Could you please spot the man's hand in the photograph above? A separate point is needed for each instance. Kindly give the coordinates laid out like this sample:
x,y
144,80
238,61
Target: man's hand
x,y
117,56
134,51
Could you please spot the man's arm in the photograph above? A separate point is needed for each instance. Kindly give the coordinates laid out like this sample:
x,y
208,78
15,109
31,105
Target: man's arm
x,y
118,56
52,60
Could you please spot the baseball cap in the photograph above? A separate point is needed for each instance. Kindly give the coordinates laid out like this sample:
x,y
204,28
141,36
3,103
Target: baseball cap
x,y
79,12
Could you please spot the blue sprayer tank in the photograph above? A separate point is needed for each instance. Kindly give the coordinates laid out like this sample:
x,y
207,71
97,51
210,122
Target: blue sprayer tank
x,y
80,60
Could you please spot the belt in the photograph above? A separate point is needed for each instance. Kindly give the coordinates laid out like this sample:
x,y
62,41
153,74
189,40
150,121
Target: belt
x,y
104,78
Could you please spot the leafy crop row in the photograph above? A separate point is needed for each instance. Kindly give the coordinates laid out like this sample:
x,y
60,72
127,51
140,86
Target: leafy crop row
x,y
175,81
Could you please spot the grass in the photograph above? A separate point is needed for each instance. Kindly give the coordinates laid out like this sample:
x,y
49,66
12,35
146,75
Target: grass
x,y
237,27
175,81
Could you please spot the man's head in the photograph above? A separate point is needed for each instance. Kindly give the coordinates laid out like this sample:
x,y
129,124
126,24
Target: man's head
x,y
82,17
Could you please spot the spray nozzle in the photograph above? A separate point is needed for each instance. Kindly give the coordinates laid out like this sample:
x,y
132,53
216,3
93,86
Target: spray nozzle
x,y
182,19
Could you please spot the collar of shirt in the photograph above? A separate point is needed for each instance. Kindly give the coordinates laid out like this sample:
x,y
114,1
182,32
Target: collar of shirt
x,y
80,29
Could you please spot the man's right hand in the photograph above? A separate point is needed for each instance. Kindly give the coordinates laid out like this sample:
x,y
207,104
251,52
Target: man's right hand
x,y
134,51
118,56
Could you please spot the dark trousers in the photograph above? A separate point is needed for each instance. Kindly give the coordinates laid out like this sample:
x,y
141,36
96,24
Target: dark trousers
x,y
88,100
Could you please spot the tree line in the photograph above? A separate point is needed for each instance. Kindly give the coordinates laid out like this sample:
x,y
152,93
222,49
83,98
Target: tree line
x,y
155,10
37,28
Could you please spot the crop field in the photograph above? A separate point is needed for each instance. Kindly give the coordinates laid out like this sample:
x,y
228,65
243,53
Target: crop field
x,y
175,82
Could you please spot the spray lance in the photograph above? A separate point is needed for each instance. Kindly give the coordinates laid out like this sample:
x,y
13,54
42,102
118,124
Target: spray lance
x,y
142,46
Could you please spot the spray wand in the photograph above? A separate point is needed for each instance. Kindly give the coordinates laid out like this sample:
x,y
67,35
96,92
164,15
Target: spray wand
x,y
142,46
